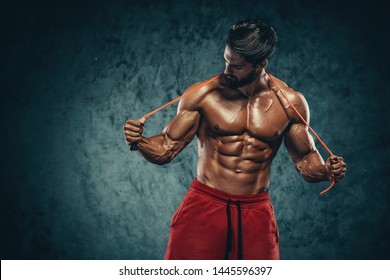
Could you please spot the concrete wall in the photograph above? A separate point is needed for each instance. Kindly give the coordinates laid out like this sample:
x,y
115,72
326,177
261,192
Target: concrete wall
x,y
74,72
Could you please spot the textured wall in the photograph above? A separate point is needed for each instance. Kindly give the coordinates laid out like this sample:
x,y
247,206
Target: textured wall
x,y
72,73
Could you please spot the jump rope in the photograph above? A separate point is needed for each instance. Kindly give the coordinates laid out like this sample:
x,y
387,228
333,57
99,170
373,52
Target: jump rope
x,y
284,95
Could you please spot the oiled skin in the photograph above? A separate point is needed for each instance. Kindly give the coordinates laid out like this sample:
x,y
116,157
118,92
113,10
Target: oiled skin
x,y
239,132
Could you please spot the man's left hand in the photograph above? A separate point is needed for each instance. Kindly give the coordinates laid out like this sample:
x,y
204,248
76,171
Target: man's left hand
x,y
335,168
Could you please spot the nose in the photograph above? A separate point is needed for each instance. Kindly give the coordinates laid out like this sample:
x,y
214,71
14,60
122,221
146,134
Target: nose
x,y
228,69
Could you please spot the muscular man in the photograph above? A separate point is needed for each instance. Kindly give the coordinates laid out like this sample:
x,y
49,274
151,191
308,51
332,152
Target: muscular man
x,y
240,120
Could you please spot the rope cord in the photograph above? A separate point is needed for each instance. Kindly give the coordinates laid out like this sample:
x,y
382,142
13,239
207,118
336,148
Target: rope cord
x,y
191,90
308,126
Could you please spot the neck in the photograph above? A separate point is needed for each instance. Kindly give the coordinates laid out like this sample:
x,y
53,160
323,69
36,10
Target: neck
x,y
259,84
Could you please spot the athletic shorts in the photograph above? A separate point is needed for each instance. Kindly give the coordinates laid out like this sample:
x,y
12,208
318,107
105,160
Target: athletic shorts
x,y
213,225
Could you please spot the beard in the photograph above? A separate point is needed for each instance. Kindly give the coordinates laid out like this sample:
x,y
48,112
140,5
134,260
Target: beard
x,y
233,82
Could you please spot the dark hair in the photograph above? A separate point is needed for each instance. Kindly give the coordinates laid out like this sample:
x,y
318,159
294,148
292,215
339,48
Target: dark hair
x,y
252,39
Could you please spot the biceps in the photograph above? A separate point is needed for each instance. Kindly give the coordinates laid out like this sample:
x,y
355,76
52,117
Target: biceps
x,y
184,126
299,142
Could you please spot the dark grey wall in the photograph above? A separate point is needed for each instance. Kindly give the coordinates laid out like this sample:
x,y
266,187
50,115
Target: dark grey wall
x,y
72,73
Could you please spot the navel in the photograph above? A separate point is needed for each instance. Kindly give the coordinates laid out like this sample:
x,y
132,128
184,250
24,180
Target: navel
x,y
238,171
216,127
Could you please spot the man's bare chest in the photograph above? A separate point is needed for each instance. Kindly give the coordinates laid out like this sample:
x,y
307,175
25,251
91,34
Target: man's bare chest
x,y
262,116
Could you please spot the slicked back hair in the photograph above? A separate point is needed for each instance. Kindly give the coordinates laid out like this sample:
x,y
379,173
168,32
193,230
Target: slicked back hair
x,y
253,40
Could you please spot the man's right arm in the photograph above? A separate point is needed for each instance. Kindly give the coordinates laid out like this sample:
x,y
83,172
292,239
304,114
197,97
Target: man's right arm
x,y
164,147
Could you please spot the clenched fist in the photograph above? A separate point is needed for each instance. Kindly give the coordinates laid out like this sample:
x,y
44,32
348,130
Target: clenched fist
x,y
335,168
133,130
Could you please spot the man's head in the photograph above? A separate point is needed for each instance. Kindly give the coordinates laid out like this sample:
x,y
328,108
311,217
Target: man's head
x,y
249,45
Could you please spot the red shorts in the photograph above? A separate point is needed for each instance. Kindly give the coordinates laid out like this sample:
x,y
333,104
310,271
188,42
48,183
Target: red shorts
x,y
213,225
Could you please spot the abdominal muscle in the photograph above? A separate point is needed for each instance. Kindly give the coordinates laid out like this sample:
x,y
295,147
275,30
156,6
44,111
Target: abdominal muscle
x,y
235,164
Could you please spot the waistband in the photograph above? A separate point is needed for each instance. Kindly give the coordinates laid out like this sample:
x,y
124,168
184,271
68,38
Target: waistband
x,y
223,196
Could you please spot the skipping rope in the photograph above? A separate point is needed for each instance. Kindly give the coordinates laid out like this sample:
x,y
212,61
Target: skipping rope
x,y
195,88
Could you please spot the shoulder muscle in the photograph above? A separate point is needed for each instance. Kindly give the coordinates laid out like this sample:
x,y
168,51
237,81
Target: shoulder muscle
x,y
195,94
294,97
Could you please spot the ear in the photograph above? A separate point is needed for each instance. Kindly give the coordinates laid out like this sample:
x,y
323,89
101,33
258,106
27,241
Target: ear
x,y
259,67
262,64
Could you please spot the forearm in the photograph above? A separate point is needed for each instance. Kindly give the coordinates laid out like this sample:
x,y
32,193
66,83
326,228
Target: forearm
x,y
160,149
312,168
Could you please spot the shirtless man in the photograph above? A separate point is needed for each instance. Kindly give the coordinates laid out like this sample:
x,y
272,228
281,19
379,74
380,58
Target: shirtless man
x,y
240,120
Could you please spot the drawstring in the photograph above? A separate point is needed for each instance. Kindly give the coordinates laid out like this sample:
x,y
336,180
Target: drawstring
x,y
239,231
229,235
229,231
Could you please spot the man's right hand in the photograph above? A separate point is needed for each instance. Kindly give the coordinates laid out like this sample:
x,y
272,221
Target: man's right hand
x,y
133,130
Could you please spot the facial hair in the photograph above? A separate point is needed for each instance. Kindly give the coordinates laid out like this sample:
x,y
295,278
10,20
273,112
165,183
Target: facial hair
x,y
232,81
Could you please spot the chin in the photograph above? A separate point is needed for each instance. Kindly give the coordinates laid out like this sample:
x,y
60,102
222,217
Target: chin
x,y
232,85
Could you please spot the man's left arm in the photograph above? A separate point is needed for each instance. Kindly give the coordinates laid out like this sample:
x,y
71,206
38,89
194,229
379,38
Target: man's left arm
x,y
302,150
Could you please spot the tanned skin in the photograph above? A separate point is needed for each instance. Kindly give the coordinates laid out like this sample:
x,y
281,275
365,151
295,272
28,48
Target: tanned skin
x,y
239,131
